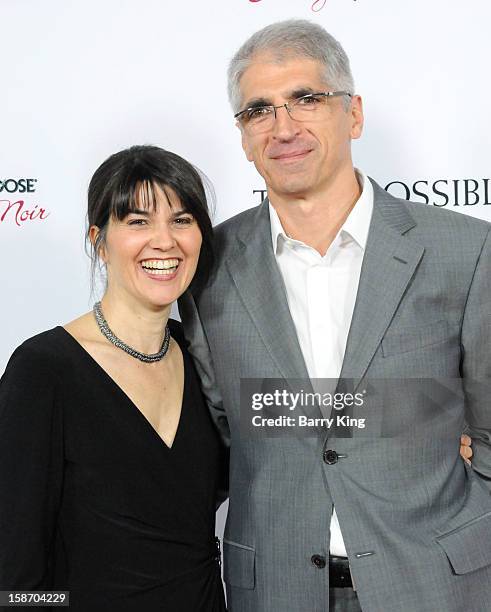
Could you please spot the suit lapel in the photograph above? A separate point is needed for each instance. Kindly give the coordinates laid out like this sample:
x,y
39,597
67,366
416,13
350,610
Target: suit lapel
x,y
258,280
389,264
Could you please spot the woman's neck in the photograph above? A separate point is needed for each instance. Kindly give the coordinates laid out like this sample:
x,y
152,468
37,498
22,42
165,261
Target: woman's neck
x,y
138,326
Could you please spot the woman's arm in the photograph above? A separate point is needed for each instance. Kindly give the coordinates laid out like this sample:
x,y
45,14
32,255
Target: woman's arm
x,y
31,467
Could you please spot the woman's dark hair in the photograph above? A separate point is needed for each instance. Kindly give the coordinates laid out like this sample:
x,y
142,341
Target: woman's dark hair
x,y
125,177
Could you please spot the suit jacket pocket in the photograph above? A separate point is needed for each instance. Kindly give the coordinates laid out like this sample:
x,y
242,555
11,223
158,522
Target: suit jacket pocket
x,y
239,564
415,338
468,547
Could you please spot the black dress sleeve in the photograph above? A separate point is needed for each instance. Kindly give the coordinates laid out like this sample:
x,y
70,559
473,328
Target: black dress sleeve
x,y
177,333
31,466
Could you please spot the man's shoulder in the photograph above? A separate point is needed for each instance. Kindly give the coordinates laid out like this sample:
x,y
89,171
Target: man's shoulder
x,y
237,221
435,221
447,218
226,232
458,235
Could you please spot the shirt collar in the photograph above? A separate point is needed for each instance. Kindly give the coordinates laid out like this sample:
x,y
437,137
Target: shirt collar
x,y
356,225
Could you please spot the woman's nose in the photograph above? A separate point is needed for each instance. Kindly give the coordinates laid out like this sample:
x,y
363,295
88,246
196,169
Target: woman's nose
x,y
162,238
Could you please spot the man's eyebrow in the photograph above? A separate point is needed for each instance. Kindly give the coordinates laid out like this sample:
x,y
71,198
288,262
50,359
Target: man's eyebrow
x,y
302,91
298,92
255,102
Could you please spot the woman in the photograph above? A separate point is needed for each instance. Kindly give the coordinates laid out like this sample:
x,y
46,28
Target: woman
x,y
109,463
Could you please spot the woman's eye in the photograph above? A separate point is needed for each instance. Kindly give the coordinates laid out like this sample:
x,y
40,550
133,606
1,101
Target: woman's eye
x,y
187,220
137,221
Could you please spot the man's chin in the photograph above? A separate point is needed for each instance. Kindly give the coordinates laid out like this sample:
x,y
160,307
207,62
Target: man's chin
x,y
289,187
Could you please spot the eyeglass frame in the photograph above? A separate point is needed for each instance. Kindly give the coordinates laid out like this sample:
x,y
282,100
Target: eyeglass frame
x,y
327,94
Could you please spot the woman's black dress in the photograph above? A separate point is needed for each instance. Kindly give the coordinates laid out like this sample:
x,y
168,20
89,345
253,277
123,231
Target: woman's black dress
x,y
91,499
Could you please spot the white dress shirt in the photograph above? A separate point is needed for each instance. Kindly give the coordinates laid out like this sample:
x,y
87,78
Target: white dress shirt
x,y
321,293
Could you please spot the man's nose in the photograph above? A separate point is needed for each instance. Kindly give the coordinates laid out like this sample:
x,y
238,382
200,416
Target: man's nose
x,y
285,128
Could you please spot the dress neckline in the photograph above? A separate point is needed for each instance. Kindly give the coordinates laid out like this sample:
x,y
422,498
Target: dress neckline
x,y
135,410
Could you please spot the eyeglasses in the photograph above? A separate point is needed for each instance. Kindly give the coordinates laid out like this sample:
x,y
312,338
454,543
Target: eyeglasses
x,y
258,119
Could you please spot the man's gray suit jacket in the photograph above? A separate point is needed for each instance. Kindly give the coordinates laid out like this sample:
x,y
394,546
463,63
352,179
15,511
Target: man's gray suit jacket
x,y
415,519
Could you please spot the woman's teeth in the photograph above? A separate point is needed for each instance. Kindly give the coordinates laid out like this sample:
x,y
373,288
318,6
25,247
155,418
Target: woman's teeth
x,y
162,267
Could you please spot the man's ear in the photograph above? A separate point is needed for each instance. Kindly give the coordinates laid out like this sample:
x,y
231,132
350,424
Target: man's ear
x,y
245,143
94,232
357,118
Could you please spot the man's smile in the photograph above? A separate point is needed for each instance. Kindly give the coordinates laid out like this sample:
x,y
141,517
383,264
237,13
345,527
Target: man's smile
x,y
292,155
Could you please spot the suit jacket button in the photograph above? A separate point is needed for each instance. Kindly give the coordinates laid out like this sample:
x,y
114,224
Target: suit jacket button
x,y
319,561
330,457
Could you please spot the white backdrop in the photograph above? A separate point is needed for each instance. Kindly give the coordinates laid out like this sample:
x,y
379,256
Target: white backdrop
x,y
81,80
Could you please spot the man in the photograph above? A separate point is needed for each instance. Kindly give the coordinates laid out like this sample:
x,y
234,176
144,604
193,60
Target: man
x,y
333,278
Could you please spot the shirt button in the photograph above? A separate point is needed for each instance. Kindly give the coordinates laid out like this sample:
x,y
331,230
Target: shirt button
x,y
330,457
318,561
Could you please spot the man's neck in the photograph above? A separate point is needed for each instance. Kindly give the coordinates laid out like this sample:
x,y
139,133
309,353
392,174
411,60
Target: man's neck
x,y
316,219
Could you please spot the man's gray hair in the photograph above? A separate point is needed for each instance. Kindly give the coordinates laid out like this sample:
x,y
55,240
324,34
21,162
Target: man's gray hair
x,y
287,39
